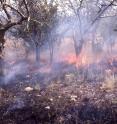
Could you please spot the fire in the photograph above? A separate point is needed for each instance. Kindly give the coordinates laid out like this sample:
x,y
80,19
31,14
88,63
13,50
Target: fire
x,y
70,58
81,60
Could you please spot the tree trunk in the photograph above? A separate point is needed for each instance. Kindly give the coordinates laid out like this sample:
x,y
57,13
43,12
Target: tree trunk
x,y
78,45
2,42
51,51
37,53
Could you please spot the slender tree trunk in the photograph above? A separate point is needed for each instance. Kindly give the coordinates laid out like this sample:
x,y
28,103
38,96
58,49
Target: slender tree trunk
x,y
51,51
78,44
37,54
2,42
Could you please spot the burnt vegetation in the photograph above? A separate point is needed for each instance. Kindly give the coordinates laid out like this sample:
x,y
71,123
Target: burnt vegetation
x,y
58,62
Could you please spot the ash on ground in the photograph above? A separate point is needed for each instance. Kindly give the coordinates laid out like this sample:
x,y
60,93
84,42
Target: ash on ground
x,y
64,97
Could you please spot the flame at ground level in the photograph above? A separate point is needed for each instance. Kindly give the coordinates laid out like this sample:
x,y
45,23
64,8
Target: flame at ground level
x,y
80,60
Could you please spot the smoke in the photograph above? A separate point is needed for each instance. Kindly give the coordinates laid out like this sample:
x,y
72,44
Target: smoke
x,y
14,58
99,40
14,70
64,51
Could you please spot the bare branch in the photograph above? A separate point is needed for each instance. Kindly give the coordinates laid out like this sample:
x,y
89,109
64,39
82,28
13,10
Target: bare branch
x,y
22,16
105,8
6,12
9,25
17,11
108,16
25,3
99,15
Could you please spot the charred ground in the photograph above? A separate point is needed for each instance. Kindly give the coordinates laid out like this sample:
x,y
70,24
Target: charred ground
x,y
61,98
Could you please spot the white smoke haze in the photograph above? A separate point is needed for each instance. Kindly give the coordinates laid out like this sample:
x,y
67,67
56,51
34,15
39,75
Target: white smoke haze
x,y
101,34
63,51
14,70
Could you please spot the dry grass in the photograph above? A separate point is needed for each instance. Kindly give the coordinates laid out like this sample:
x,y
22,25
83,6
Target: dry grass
x,y
64,101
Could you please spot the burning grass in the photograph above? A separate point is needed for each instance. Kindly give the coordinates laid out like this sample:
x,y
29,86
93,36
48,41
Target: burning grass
x,y
65,100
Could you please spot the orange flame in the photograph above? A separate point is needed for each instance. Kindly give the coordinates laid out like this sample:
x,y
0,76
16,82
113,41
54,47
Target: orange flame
x,y
81,60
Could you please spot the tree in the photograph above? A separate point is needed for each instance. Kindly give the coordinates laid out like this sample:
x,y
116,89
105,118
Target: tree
x,y
41,23
87,16
7,21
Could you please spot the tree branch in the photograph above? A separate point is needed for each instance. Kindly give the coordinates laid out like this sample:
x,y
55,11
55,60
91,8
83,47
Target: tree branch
x,y
9,25
22,16
98,16
17,11
6,12
26,6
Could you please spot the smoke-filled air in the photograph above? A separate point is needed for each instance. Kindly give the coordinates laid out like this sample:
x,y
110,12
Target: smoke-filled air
x,y
58,61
